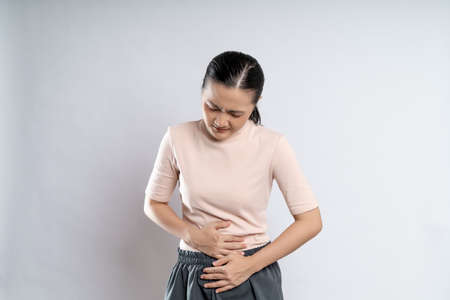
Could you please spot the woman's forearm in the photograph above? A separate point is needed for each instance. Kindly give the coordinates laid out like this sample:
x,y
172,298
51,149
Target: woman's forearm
x,y
163,215
299,232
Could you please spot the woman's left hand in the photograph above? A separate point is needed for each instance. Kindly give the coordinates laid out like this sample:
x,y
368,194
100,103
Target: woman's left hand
x,y
236,270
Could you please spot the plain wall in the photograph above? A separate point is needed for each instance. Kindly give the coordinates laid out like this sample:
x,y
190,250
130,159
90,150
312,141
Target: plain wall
x,y
360,89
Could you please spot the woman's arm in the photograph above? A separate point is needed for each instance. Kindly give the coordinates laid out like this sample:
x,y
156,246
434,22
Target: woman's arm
x,y
302,204
163,215
206,239
305,227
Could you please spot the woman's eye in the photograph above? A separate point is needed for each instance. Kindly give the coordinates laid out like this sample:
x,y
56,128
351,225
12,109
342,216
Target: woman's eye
x,y
216,109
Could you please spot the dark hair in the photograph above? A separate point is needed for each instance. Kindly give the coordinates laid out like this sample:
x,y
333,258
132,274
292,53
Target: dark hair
x,y
240,70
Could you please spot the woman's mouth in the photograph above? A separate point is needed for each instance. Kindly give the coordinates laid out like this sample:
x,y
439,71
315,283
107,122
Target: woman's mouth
x,y
221,129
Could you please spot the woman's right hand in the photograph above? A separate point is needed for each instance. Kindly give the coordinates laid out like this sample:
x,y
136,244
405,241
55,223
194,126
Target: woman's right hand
x,y
211,242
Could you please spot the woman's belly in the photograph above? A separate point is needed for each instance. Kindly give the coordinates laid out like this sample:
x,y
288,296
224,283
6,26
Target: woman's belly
x,y
252,241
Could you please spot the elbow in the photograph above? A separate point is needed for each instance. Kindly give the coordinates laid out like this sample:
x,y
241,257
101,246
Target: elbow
x,y
312,219
148,210
316,221
319,226
315,227
150,207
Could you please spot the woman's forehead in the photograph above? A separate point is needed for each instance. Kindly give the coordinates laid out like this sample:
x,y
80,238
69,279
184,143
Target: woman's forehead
x,y
227,97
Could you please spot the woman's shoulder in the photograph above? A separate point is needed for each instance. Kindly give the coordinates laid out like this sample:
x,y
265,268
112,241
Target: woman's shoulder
x,y
182,126
264,133
184,130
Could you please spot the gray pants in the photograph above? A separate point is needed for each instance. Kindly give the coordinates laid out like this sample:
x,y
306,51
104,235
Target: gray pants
x,y
185,282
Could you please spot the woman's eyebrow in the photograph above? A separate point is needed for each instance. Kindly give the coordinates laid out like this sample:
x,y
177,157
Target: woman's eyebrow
x,y
230,110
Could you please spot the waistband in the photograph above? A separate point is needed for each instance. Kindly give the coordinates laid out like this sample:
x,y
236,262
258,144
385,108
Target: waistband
x,y
194,257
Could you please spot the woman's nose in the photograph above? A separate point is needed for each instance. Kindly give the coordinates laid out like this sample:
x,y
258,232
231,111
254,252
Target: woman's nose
x,y
221,121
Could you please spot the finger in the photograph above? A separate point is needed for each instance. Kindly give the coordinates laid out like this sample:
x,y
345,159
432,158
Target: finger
x,y
232,238
225,252
213,276
214,270
235,246
225,288
219,283
221,261
221,224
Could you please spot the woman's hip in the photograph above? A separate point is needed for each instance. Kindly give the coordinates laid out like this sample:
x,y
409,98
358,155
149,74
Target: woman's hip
x,y
185,282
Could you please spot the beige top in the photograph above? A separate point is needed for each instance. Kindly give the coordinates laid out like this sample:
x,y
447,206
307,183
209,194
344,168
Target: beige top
x,y
229,179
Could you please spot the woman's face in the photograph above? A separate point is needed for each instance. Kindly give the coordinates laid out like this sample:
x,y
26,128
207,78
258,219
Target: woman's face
x,y
225,108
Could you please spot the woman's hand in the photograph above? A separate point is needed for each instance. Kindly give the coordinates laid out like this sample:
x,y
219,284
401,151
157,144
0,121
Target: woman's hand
x,y
236,270
210,241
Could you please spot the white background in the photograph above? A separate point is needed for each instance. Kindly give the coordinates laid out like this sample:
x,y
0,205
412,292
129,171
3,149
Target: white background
x,y
360,88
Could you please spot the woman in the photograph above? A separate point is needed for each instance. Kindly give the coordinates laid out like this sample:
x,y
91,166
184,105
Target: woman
x,y
225,164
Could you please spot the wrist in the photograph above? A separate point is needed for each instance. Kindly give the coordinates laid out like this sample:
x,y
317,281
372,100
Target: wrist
x,y
254,264
188,233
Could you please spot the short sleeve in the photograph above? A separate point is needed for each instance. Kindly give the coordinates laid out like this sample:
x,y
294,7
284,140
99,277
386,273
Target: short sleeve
x,y
291,181
164,176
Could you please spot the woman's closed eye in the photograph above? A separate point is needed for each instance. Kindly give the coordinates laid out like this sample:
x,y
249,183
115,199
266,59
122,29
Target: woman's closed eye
x,y
216,109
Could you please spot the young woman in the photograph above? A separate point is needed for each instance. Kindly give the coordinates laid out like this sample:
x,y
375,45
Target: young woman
x,y
225,164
